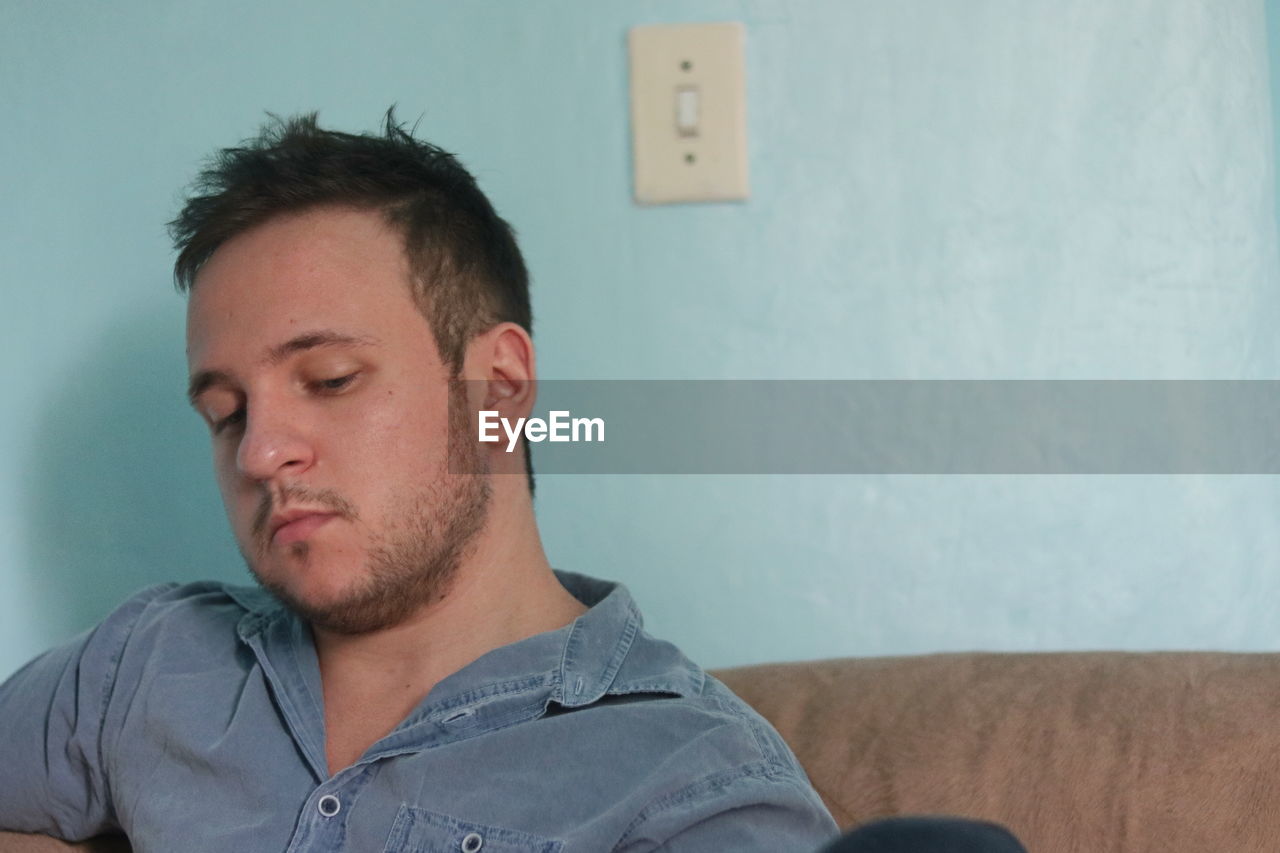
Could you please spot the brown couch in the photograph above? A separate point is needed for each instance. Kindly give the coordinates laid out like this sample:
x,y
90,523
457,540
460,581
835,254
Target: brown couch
x,y
1087,752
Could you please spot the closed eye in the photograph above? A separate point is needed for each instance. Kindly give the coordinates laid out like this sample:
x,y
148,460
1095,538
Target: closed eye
x,y
232,420
337,383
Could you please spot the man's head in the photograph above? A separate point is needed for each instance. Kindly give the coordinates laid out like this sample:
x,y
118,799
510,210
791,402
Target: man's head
x,y
338,284
467,271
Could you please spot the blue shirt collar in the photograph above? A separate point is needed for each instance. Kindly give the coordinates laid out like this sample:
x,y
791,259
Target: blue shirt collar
x,y
604,652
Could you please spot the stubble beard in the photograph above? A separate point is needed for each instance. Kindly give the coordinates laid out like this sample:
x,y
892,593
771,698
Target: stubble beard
x,y
414,562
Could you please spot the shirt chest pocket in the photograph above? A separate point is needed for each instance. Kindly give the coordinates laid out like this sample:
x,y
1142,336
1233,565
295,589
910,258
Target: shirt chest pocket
x,y
420,831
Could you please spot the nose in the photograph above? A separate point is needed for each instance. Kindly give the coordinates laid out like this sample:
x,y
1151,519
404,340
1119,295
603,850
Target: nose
x,y
273,443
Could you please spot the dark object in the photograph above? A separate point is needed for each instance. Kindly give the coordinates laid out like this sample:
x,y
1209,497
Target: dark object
x,y
927,835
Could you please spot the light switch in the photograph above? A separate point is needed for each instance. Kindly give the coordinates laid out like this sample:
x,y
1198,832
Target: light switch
x,y
688,112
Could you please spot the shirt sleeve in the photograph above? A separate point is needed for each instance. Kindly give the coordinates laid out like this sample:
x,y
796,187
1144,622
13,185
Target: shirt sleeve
x,y
51,732
767,812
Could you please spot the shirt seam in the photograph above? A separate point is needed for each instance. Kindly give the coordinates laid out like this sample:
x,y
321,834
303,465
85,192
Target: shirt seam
x,y
142,601
768,751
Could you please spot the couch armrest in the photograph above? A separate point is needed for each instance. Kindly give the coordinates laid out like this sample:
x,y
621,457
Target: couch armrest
x,y
21,842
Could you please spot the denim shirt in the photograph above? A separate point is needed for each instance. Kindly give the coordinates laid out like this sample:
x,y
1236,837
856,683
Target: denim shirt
x,y
192,720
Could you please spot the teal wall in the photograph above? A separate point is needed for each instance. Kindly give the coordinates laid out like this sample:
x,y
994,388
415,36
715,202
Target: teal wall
x,y
987,189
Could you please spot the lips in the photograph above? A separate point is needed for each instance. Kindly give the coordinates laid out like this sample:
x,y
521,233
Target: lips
x,y
298,525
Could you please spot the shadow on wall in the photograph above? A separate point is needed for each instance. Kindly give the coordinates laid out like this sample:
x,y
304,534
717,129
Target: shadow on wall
x,y
119,485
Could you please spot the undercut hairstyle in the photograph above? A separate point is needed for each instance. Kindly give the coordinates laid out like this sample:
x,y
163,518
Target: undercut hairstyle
x,y
467,273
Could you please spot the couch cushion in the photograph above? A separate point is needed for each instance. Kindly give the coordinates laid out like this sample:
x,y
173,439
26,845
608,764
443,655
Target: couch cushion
x,y
1088,752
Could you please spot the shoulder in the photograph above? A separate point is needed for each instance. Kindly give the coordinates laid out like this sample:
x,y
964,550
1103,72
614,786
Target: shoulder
x,y
164,608
191,607
201,601
666,713
175,621
62,710
695,704
719,756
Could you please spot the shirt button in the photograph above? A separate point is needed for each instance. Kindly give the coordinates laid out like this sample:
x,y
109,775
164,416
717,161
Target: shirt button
x,y
472,842
330,805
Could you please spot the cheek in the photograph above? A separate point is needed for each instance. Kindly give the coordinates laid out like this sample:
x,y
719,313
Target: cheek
x,y
237,494
406,430
223,472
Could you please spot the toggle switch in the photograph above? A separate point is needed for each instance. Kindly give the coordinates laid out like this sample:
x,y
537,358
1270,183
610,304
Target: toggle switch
x,y
687,111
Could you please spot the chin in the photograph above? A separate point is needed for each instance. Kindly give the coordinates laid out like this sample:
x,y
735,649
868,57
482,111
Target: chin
x,y
338,603
305,585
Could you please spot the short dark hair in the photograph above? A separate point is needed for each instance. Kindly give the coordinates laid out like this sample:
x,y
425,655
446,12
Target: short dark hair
x,y
467,271
468,274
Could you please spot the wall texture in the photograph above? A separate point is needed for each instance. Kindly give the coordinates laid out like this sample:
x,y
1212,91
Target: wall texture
x,y
988,189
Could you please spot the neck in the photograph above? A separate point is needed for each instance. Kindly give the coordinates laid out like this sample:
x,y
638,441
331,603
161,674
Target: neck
x,y
503,591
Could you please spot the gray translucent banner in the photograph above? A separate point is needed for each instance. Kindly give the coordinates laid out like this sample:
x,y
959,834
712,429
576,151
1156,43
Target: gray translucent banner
x,y
905,427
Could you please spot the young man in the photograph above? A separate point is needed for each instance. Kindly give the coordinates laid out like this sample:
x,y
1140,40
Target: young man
x,y
413,674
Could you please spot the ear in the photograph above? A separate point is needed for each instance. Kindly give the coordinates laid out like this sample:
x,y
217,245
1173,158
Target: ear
x,y
503,359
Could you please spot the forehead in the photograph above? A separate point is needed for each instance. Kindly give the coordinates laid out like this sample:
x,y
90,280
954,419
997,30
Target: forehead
x,y
325,268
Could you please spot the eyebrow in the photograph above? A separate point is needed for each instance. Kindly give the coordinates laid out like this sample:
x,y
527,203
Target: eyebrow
x,y
320,338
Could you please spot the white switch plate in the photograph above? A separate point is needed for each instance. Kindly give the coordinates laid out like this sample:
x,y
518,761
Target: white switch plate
x,y
671,165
